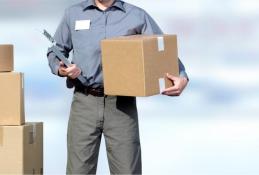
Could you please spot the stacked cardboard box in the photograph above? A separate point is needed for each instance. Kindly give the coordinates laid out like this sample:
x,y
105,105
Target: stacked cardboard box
x,y
6,58
21,144
136,65
11,99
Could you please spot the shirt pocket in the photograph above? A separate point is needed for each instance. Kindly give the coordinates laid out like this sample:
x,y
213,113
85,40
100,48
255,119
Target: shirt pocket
x,y
81,38
126,29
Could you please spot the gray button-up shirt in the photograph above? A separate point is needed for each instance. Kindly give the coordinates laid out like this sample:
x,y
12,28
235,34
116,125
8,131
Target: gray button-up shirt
x,y
120,19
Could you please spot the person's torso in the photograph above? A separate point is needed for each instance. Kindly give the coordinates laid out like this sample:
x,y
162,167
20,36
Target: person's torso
x,y
119,20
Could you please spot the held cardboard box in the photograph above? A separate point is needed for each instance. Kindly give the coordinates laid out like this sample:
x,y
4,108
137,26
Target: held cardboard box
x,y
11,99
21,149
136,65
6,58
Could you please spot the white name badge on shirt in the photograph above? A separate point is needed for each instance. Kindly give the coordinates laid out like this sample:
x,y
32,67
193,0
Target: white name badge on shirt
x,y
82,25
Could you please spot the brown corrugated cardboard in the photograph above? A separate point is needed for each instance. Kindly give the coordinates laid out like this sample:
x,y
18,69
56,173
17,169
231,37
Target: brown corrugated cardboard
x,y
21,149
134,65
6,58
11,99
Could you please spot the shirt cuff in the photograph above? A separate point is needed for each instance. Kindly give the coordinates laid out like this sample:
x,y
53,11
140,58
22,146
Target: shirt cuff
x,y
53,63
56,72
184,74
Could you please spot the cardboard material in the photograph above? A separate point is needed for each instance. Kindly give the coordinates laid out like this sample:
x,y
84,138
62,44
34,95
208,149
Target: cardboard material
x,y
133,65
6,58
21,149
11,99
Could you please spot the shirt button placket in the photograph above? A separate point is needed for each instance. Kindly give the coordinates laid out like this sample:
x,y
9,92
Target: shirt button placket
x,y
105,23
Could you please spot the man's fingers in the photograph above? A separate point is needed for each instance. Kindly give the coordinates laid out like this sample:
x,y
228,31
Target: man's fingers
x,y
78,72
75,73
63,69
177,88
172,93
61,64
71,69
173,88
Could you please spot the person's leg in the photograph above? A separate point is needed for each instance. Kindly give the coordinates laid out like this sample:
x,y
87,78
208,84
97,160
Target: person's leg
x,y
84,134
121,133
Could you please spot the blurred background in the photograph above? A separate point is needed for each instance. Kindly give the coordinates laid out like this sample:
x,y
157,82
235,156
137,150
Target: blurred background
x,y
212,129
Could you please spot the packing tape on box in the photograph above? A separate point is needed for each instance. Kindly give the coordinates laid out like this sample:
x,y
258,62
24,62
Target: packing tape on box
x,y
22,81
161,84
160,43
1,136
32,134
34,129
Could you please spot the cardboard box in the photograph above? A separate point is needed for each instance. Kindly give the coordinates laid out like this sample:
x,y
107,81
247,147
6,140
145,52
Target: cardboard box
x,y
11,99
136,65
21,149
6,58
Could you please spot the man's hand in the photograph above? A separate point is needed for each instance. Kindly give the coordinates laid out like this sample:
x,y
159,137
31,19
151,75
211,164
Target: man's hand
x,y
179,83
71,72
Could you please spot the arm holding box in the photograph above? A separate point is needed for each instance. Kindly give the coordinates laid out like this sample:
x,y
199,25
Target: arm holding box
x,y
179,83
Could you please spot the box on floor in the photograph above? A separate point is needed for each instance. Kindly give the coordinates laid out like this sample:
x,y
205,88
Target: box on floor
x,y
21,149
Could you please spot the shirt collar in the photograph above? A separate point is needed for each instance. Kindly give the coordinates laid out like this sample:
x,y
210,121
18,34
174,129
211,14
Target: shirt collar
x,y
91,3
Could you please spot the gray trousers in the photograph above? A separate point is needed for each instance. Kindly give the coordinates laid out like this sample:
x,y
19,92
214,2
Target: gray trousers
x,y
114,116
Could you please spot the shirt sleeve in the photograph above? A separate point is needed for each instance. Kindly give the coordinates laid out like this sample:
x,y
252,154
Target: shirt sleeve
x,y
63,41
150,27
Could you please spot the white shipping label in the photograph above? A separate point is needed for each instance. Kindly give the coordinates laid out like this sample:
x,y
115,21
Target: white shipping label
x,y
161,84
160,43
82,25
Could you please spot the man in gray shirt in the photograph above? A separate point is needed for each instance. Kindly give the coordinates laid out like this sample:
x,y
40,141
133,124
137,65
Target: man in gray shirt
x,y
92,114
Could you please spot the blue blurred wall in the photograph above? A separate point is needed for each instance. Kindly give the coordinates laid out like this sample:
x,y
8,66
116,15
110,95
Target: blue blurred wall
x,y
212,129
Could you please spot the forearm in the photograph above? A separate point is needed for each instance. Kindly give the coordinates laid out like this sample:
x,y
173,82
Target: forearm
x,y
53,62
